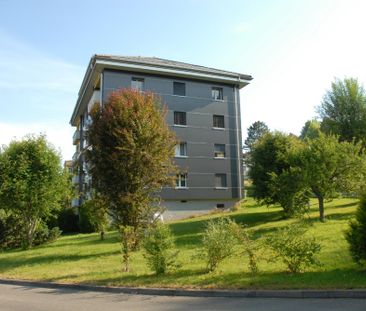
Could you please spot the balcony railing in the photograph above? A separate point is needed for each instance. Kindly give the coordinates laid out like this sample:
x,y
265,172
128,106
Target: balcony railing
x,y
76,137
75,157
95,98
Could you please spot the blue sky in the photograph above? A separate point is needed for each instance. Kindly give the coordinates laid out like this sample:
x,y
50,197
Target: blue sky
x,y
293,49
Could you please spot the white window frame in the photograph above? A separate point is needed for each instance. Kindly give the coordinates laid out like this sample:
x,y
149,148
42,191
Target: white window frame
x,y
181,150
139,83
221,187
217,93
181,181
217,154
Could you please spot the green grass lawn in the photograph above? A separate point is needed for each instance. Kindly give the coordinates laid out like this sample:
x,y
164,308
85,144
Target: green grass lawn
x,y
83,258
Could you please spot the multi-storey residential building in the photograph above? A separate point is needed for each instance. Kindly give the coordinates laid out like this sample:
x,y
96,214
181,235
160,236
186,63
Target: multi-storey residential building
x,y
203,110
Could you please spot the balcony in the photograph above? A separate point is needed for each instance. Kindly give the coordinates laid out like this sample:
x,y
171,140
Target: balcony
x,y
95,98
75,157
76,137
75,179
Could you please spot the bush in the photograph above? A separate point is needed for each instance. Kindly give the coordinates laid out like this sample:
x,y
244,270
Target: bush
x,y
251,247
86,221
11,233
356,234
158,245
293,247
218,242
128,243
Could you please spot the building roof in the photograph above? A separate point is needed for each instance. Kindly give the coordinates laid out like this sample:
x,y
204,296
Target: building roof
x,y
151,65
160,62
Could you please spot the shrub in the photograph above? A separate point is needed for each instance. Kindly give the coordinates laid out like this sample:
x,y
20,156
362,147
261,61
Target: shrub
x,y
218,242
251,247
356,234
128,242
10,232
158,245
293,247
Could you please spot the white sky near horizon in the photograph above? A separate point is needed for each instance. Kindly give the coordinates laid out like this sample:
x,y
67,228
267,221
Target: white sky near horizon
x,y
293,50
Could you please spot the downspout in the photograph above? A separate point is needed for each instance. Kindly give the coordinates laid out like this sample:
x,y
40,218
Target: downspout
x,y
238,142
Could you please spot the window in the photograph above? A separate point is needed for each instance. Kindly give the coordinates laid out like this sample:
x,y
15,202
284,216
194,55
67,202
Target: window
x,y
218,121
181,181
179,88
180,118
137,84
181,150
217,93
220,181
219,150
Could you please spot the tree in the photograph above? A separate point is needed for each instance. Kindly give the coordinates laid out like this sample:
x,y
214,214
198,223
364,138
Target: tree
x,y
33,183
343,111
356,234
131,154
330,166
257,130
275,178
310,130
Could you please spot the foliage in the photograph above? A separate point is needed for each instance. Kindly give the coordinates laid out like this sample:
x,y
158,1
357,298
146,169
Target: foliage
x,y
32,183
343,111
10,229
128,241
276,178
11,233
329,166
251,247
356,234
294,248
83,258
158,245
254,133
93,216
218,242
131,154
310,130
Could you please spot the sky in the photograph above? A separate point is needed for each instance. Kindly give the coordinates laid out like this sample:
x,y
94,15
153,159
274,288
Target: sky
x,y
293,49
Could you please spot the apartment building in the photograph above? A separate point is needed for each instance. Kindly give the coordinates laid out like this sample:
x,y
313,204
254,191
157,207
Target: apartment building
x,y
204,112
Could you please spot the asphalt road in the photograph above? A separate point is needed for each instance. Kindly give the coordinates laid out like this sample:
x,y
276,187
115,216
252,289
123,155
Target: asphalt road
x,y
26,298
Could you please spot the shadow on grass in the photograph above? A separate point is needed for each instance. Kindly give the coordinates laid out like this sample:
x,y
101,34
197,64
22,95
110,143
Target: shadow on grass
x,y
21,260
199,278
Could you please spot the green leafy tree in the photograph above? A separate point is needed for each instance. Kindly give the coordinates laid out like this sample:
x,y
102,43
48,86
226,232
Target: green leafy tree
x,y
131,154
310,130
330,166
275,176
356,234
343,111
255,132
33,183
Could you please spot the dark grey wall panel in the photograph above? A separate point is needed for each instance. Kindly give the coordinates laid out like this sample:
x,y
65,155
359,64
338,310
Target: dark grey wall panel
x,y
199,134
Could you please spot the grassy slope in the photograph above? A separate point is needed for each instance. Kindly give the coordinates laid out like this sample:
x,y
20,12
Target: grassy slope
x,y
86,259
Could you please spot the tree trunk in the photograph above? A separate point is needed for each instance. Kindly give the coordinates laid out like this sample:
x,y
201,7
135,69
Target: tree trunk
x,y
102,234
321,208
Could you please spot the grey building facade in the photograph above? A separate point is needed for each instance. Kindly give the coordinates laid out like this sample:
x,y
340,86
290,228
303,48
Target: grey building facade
x,y
203,110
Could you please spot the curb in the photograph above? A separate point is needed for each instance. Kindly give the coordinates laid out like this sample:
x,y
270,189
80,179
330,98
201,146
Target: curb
x,y
348,293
